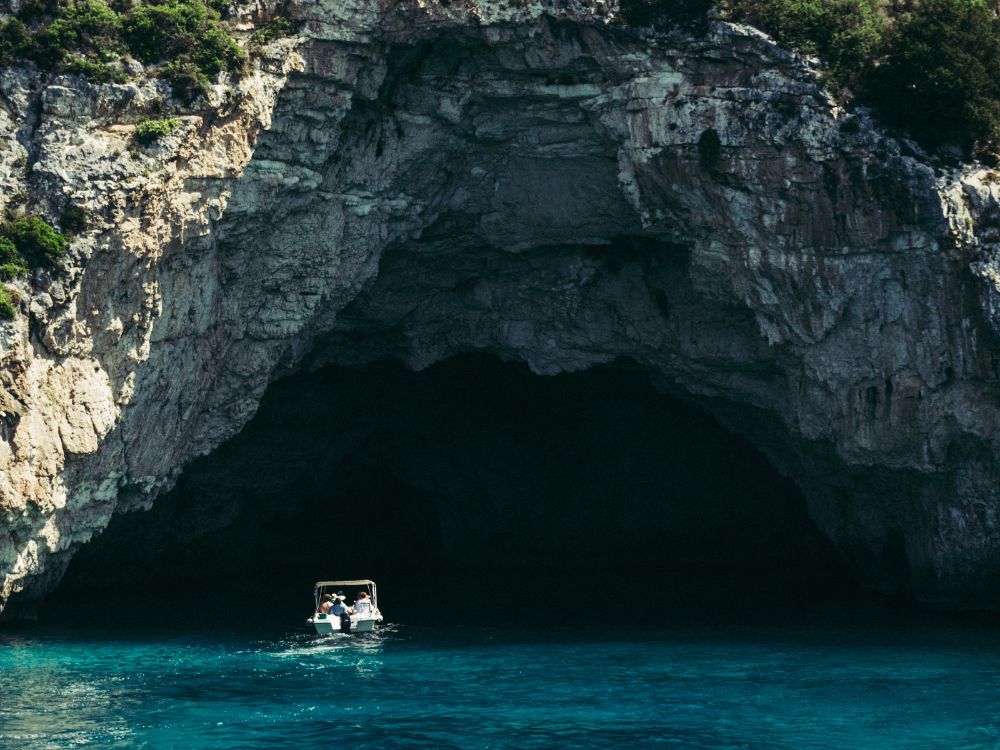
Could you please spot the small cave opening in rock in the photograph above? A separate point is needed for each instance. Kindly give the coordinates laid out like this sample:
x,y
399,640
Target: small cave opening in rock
x,y
476,475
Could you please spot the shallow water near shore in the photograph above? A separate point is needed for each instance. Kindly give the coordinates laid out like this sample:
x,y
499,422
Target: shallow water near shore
x,y
856,682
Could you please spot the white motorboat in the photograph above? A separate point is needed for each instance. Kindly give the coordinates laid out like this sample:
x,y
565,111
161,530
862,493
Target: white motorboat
x,y
363,617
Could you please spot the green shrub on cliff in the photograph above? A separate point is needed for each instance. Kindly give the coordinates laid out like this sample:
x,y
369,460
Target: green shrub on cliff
x,y
7,309
273,29
165,30
12,265
84,36
95,71
25,243
930,67
939,76
845,33
189,36
15,39
182,30
73,220
186,80
84,27
35,241
148,131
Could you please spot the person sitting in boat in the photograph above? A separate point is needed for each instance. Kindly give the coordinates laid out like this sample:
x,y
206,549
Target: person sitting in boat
x,y
326,605
362,604
339,608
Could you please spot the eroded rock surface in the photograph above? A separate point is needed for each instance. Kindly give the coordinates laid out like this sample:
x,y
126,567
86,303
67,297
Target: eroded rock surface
x,y
416,180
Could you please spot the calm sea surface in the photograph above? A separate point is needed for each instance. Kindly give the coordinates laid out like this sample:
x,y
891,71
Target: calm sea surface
x,y
480,686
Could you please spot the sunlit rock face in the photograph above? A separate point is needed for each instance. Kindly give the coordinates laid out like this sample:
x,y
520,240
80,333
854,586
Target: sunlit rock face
x,y
416,182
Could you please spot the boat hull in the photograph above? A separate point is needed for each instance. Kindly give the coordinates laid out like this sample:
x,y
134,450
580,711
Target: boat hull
x,y
325,625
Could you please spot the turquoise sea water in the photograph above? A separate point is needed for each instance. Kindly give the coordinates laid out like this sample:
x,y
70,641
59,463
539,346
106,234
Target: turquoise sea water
x,y
504,686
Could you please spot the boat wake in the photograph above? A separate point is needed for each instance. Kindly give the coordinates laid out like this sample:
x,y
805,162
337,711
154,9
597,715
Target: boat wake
x,y
312,644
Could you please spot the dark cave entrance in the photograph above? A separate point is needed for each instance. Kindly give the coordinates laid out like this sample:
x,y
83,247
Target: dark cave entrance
x,y
474,470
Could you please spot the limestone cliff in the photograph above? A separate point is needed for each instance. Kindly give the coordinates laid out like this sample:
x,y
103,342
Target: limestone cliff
x,y
418,179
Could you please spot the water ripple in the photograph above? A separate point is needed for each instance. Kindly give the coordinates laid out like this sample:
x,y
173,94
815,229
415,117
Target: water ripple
x,y
410,687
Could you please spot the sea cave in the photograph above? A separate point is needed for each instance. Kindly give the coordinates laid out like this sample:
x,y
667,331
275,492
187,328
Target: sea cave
x,y
479,473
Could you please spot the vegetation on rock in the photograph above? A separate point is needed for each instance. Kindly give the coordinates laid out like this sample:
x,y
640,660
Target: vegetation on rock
x,y
73,220
25,243
273,29
90,37
846,34
35,241
53,35
185,32
186,81
148,131
931,67
95,71
7,309
939,74
12,265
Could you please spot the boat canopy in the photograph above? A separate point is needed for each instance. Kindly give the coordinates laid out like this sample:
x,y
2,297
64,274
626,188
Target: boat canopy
x,y
321,584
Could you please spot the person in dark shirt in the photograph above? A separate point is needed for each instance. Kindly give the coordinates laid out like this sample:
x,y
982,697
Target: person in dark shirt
x,y
339,608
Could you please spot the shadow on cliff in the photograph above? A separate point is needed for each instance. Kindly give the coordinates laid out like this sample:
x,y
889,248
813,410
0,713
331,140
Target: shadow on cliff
x,y
477,478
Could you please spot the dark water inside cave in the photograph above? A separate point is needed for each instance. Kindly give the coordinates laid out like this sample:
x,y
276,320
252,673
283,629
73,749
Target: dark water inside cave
x,y
213,673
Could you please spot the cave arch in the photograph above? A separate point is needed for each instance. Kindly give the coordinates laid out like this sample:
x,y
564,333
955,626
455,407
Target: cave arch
x,y
474,466
496,223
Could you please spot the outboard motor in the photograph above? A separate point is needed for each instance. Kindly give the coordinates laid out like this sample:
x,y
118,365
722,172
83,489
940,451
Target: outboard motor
x,y
345,623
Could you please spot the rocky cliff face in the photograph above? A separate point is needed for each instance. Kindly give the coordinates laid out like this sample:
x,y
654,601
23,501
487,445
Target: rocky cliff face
x,y
416,180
